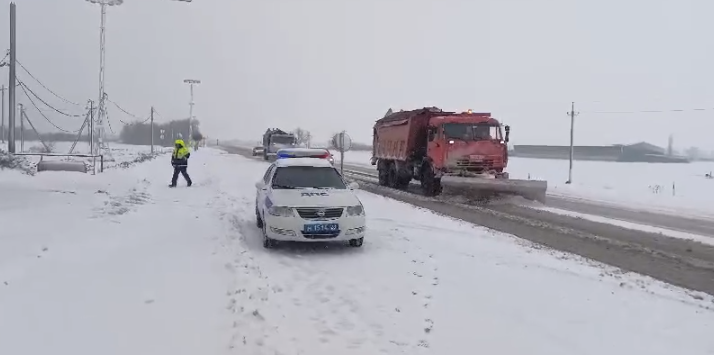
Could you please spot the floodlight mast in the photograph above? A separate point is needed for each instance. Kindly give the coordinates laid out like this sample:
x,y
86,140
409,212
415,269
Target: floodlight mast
x,y
101,107
191,82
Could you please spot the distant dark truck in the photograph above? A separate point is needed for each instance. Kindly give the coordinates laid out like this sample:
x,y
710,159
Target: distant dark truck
x,y
275,139
466,151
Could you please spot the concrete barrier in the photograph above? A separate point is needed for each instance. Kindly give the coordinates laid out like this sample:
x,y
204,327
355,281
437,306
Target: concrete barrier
x,y
49,165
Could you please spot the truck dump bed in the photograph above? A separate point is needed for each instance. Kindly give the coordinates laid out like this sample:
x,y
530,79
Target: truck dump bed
x,y
400,134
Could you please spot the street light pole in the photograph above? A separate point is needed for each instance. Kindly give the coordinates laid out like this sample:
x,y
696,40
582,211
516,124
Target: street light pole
x,y
191,82
11,96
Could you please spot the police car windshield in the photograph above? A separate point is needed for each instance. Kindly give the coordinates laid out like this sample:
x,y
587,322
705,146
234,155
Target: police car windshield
x,y
296,177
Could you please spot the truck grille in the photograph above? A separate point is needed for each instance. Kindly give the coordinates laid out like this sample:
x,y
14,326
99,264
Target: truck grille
x,y
480,165
312,212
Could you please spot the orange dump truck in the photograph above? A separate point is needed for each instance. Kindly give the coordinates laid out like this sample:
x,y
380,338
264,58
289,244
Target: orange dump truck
x,y
464,152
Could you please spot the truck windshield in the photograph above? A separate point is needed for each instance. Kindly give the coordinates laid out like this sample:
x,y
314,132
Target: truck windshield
x,y
282,139
471,132
296,177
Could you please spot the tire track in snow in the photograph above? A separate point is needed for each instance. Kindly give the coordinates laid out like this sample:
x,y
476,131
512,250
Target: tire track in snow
x,y
329,312
284,302
249,295
425,269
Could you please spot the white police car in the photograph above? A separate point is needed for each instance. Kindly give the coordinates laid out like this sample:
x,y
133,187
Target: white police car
x,y
306,200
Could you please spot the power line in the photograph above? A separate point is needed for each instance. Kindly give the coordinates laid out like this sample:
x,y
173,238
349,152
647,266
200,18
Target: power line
x,y
109,123
45,102
42,114
44,86
651,111
141,120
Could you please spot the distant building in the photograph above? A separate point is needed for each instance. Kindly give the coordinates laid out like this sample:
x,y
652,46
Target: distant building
x,y
638,152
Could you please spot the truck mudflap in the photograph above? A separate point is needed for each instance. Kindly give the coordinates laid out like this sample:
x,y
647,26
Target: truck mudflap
x,y
487,187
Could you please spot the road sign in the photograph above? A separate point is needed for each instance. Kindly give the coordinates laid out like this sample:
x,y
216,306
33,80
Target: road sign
x,y
342,141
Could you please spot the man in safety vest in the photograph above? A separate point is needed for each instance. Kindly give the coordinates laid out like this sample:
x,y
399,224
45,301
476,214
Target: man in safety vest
x,y
179,160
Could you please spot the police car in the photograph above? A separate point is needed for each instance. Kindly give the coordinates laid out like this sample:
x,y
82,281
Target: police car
x,y
287,153
306,200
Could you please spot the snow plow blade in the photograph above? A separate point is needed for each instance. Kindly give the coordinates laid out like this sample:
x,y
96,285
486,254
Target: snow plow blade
x,y
488,187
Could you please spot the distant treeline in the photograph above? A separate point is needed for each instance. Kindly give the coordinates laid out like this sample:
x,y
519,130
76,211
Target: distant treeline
x,y
31,135
139,133
355,146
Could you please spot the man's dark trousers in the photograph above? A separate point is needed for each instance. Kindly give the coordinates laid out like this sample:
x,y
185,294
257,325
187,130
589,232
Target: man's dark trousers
x,y
180,169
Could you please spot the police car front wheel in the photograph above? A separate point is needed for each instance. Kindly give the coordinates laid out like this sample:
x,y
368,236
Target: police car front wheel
x,y
258,220
268,243
356,242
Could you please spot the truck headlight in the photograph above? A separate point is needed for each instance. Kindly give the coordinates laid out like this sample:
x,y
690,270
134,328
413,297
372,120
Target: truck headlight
x,y
281,211
355,210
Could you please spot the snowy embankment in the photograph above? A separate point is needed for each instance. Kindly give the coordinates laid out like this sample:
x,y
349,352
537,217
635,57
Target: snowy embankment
x,y
117,263
669,188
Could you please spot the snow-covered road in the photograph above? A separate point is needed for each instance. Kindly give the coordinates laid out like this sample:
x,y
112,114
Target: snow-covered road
x,y
120,264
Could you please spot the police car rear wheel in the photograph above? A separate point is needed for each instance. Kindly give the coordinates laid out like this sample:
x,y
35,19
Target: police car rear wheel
x,y
357,242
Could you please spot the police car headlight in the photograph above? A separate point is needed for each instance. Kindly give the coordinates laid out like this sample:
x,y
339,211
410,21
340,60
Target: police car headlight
x,y
281,211
355,210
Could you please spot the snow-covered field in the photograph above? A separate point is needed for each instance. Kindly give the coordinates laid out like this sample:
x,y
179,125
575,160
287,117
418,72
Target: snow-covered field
x,y
117,263
671,188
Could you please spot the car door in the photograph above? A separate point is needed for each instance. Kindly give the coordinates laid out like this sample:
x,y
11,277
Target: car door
x,y
262,190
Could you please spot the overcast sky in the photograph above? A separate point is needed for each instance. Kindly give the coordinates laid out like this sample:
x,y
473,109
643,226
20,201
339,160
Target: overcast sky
x,y
329,65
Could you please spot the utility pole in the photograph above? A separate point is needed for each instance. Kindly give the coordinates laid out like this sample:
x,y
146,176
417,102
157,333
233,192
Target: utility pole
x,y
91,127
91,136
152,129
572,115
22,127
2,124
11,85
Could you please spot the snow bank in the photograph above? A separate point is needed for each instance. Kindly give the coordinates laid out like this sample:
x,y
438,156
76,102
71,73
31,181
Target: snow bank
x,y
119,264
669,188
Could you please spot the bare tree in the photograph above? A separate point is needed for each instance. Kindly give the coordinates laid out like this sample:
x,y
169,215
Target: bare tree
x,y
302,136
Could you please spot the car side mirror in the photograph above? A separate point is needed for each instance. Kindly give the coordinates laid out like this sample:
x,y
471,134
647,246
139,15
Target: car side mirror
x,y
259,185
353,186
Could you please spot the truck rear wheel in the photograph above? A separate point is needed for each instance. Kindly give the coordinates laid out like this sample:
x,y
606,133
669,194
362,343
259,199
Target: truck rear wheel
x,y
430,184
392,176
383,173
403,182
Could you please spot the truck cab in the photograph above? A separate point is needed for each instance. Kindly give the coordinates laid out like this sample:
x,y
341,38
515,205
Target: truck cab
x,y
275,139
468,143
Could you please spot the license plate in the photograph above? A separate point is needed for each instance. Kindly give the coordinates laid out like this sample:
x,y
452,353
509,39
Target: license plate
x,y
476,157
317,228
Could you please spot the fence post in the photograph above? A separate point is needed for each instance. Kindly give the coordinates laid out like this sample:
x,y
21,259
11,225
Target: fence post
x,y
101,163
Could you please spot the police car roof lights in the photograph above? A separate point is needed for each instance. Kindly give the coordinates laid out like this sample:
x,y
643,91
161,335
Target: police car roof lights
x,y
303,153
